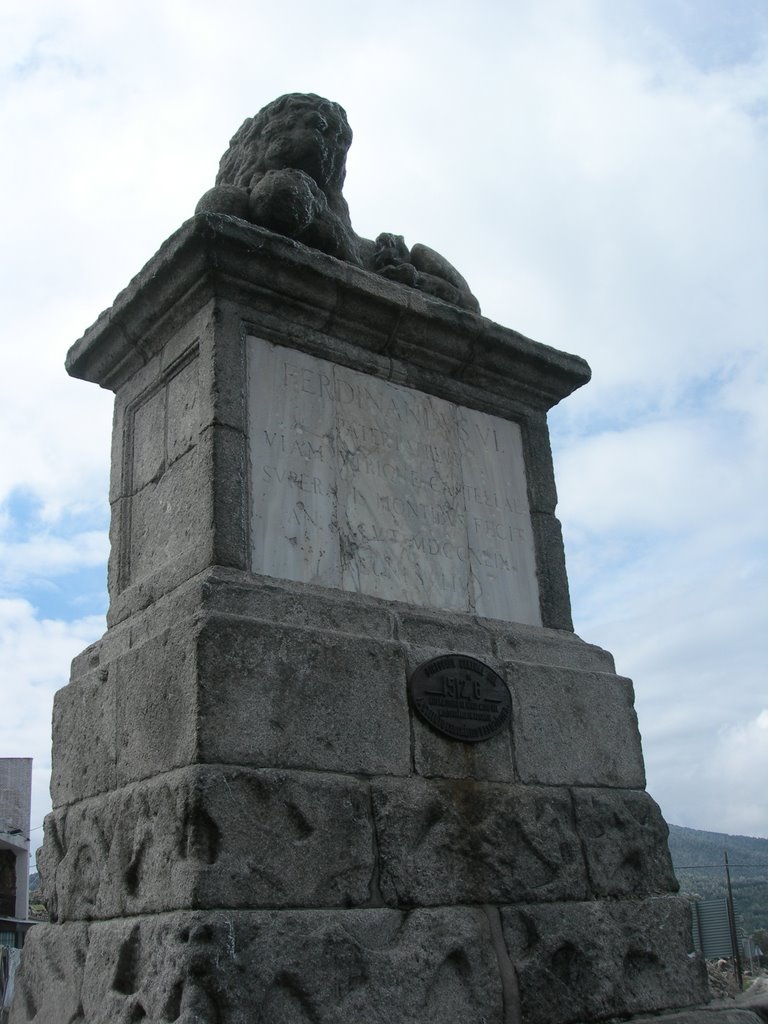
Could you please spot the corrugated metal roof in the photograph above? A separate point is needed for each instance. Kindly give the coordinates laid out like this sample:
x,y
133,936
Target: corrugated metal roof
x,y
711,928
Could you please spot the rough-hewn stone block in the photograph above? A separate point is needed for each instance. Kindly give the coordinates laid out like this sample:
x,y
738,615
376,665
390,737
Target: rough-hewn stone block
x,y
234,691
574,728
437,756
624,839
84,738
48,984
298,604
586,961
429,633
328,967
475,842
301,698
707,1015
156,705
557,648
211,837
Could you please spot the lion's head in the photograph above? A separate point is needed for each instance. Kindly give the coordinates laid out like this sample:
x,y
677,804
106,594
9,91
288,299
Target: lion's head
x,y
299,131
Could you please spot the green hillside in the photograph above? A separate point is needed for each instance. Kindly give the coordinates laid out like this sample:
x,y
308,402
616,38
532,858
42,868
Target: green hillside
x,y
698,861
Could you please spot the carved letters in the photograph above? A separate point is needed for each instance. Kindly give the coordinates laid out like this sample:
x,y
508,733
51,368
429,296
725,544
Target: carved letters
x,y
364,485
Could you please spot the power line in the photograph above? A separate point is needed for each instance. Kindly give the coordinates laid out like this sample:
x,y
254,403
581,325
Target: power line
x,y
691,867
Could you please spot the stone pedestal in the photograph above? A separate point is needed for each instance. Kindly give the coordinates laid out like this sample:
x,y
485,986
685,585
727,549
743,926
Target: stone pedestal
x,y
320,480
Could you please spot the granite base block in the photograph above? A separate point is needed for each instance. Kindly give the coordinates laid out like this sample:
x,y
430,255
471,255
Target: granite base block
x,y
712,1014
574,727
475,842
211,837
587,961
301,698
226,689
238,669
624,839
281,967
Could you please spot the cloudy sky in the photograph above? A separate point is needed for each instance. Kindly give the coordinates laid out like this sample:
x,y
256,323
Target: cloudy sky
x,y
597,169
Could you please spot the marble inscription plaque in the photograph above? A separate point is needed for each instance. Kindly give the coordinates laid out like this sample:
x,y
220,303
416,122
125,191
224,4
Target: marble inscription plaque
x,y
367,486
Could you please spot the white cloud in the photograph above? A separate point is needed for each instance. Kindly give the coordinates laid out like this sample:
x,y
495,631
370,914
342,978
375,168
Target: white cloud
x,y
726,782
34,663
48,555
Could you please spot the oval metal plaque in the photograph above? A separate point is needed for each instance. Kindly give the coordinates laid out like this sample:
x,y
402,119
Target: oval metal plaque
x,y
461,697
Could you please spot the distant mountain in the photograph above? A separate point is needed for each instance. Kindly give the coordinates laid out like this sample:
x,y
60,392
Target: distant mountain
x,y
700,868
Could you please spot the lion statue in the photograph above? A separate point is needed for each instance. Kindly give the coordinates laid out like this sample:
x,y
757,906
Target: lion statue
x,y
284,170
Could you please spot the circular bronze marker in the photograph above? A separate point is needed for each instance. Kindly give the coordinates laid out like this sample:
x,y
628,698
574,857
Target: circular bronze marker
x,y
461,697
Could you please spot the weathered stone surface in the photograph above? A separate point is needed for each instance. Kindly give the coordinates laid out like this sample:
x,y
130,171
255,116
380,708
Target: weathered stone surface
x,y
301,698
437,756
329,967
84,750
156,705
235,691
210,837
499,640
167,515
624,839
712,1014
296,604
586,961
428,633
474,842
574,728
189,308
556,648
48,983
361,484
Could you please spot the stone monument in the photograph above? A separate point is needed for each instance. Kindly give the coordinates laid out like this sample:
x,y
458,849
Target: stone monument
x,y
339,756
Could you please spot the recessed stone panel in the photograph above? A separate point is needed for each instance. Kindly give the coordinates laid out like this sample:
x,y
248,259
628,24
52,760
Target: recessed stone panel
x,y
148,437
183,410
170,515
368,486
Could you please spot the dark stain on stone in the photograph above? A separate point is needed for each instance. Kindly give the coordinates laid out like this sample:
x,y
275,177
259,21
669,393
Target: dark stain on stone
x,y
200,836
639,961
568,965
172,1008
125,980
299,820
133,871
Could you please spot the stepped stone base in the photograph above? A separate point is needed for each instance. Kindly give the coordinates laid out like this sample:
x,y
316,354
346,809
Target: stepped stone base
x,y
426,965
309,782
343,859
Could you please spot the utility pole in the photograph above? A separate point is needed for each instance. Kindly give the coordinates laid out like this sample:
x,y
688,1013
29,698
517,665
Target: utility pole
x,y
732,925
